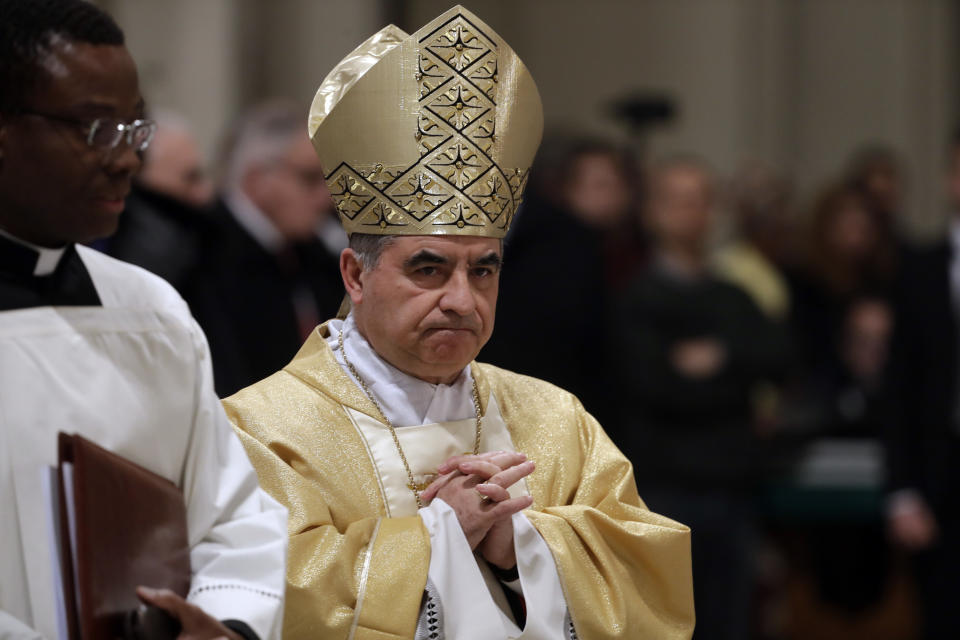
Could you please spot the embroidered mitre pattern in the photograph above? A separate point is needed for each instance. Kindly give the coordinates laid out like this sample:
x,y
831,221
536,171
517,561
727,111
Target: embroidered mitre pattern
x,y
457,186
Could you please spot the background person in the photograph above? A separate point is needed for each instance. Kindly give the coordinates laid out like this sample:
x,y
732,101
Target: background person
x,y
265,279
691,351
166,215
923,445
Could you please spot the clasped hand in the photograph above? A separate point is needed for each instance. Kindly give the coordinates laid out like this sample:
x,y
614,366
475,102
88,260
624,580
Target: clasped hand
x,y
475,487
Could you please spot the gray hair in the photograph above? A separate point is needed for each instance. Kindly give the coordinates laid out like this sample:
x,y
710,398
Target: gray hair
x,y
261,137
368,248
168,122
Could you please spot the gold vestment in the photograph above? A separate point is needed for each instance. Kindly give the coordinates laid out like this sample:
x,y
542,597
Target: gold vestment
x,y
353,572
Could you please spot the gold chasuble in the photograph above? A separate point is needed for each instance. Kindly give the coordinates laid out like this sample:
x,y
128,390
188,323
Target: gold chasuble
x,y
357,572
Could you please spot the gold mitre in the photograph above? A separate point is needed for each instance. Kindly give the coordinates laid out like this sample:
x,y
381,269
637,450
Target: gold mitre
x,y
430,133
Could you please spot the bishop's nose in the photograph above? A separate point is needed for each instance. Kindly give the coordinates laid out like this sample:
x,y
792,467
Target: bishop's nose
x,y
458,294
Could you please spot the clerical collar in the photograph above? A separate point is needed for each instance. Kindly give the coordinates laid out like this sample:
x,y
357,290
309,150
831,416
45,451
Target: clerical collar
x,y
26,259
406,400
254,221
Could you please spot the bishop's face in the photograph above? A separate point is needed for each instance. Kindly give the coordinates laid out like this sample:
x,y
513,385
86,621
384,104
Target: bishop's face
x,y
428,306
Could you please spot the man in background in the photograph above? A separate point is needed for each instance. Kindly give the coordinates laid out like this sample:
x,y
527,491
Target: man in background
x,y
923,452
266,278
163,225
691,351
94,346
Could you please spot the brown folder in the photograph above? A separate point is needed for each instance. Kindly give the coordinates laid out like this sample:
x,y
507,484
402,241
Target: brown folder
x,y
129,528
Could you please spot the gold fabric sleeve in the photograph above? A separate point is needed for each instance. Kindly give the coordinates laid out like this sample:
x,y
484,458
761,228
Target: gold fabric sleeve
x,y
625,570
352,572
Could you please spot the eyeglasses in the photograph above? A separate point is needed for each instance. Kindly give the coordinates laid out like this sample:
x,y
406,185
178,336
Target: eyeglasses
x,y
106,133
309,177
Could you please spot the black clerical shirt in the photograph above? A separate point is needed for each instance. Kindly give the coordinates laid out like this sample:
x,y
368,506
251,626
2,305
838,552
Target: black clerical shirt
x,y
69,284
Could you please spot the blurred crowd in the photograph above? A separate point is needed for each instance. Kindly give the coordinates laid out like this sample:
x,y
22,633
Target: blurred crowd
x,y
782,374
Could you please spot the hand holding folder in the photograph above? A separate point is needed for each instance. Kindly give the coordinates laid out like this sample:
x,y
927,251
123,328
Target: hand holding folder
x,y
122,527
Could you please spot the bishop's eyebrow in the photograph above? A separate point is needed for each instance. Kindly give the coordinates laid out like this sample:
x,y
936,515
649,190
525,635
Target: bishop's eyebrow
x,y
424,257
492,259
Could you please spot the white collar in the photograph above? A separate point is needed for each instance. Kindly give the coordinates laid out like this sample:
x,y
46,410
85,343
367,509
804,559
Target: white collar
x,y
47,259
254,221
406,400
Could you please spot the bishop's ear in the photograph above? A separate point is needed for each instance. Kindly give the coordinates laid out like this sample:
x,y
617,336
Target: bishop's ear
x,y
351,270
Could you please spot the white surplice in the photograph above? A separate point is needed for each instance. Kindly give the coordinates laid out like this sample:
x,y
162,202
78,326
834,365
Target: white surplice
x,y
433,422
134,376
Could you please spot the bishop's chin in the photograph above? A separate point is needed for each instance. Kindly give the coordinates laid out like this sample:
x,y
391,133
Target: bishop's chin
x,y
447,361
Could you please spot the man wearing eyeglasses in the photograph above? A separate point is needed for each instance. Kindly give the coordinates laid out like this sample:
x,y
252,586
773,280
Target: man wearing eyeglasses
x,y
101,348
273,204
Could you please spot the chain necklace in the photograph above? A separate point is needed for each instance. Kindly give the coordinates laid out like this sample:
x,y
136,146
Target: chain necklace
x,y
412,484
